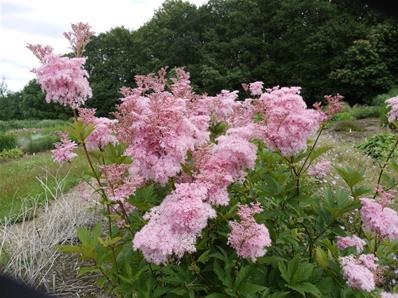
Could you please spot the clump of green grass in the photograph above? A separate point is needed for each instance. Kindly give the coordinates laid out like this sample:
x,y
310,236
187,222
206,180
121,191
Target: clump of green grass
x,y
18,180
7,142
378,146
11,154
347,125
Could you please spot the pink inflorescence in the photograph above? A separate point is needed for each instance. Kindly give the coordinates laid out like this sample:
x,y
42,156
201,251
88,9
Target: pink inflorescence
x,y
388,295
63,79
175,224
385,197
222,164
350,241
118,184
247,237
63,151
104,131
159,129
79,37
360,272
256,88
392,103
320,170
378,219
288,121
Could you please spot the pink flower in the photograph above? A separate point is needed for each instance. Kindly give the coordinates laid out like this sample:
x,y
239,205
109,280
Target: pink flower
x,y
104,130
350,241
320,170
118,185
378,219
388,295
79,37
175,224
181,84
288,121
63,79
222,164
64,150
41,52
334,105
384,197
392,103
248,238
358,276
256,88
160,130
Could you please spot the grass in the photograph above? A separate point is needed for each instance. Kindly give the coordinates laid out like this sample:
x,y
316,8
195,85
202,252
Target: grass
x,y
18,180
46,125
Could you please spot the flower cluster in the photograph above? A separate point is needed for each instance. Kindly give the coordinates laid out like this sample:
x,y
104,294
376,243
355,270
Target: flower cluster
x,y
159,130
320,170
388,295
350,241
247,237
384,197
64,80
222,164
360,272
119,185
175,224
256,88
288,121
392,103
381,220
63,151
79,37
103,132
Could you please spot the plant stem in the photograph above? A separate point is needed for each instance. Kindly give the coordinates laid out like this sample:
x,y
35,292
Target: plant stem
x,y
312,149
104,196
385,165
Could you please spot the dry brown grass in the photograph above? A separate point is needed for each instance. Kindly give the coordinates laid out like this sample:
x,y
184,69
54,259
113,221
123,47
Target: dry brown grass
x,y
29,249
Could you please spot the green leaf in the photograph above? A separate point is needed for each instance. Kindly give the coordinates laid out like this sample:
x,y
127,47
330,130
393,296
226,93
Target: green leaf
x,y
319,151
306,287
215,295
204,257
85,270
351,176
242,275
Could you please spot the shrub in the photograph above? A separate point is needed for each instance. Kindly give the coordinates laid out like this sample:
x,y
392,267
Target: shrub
x,y
379,100
378,146
362,112
194,211
347,125
7,142
11,154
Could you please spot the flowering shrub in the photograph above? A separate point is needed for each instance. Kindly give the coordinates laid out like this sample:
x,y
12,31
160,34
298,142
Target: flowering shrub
x,y
215,197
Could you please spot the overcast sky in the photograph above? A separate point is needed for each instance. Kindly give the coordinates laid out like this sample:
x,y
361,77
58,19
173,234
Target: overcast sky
x,y
44,21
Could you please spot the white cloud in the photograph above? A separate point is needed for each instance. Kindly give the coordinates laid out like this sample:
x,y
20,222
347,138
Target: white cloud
x,y
44,21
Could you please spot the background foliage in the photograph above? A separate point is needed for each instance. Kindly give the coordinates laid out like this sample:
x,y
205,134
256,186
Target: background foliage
x,y
324,46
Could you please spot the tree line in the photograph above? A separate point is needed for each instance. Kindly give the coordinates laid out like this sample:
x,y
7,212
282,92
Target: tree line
x,y
324,46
